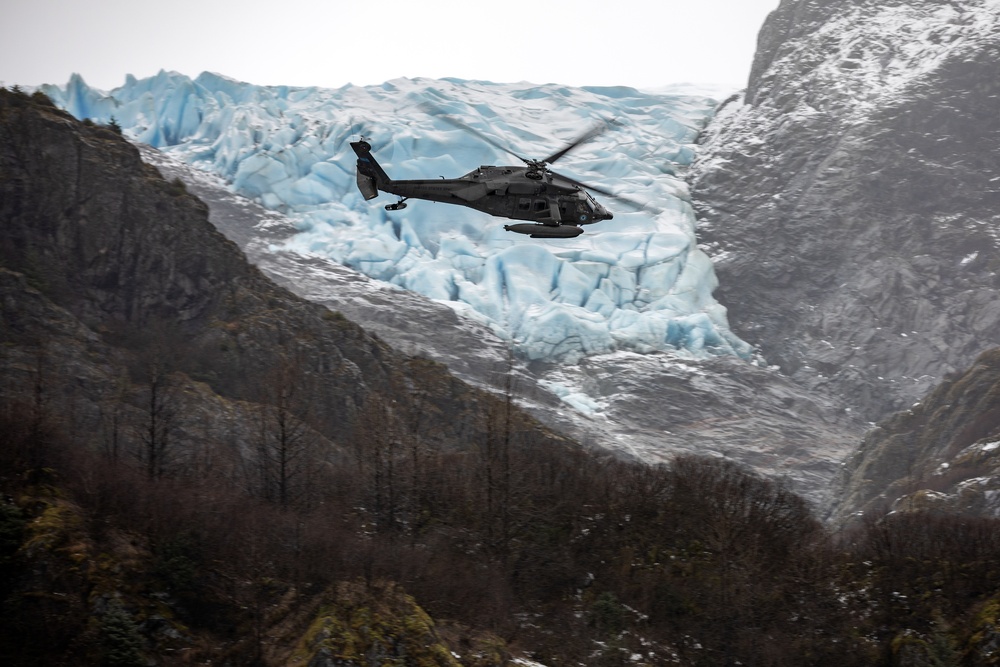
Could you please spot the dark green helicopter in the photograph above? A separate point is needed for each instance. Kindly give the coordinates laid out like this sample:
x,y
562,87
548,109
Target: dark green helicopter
x,y
553,205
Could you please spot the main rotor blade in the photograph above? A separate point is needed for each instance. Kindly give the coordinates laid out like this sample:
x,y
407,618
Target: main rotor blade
x,y
608,193
593,132
454,122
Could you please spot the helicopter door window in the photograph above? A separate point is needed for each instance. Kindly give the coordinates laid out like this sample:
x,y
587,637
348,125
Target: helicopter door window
x,y
541,205
523,204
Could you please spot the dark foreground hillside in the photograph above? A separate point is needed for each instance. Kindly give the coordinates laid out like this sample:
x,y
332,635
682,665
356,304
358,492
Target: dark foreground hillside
x,y
197,467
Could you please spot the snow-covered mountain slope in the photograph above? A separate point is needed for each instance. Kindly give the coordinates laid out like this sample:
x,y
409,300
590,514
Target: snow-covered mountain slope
x,y
637,283
851,200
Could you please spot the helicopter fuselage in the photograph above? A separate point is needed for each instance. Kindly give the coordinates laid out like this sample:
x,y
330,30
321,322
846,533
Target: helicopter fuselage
x,y
517,193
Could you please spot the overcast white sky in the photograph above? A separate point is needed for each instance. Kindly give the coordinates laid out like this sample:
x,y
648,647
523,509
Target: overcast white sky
x,y
642,43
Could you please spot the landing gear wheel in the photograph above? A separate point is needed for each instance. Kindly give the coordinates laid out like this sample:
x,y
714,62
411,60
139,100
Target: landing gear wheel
x,y
395,207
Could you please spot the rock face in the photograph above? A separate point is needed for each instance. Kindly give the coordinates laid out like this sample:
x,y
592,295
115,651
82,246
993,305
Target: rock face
x,y
851,199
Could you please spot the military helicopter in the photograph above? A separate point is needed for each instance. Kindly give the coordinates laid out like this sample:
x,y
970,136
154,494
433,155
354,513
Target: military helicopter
x,y
553,205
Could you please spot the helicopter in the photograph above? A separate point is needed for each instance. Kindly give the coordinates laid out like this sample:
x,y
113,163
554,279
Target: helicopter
x,y
550,204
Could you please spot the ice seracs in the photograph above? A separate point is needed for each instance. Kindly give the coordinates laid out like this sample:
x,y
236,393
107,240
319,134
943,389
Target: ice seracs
x,y
638,282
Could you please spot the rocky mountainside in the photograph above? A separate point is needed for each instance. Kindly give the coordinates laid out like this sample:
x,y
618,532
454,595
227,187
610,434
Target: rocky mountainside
x,y
115,282
850,202
850,198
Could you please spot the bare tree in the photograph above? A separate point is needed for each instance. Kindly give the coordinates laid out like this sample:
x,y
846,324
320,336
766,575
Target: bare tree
x,y
113,421
155,433
378,452
286,444
495,470
162,351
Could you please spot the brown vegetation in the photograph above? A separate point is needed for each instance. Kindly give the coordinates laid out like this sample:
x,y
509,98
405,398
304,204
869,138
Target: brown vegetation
x,y
575,559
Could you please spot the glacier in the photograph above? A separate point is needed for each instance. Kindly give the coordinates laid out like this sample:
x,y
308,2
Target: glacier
x,y
637,283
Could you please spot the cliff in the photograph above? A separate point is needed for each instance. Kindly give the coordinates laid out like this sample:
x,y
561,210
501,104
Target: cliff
x,y
850,197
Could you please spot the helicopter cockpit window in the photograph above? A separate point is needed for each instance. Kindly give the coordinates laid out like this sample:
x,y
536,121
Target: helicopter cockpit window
x,y
524,204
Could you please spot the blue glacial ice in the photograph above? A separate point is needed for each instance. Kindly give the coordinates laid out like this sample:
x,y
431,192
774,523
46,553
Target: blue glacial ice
x,y
636,283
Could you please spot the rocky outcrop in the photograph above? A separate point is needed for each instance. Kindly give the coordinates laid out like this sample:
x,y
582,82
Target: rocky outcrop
x,y
361,628
850,198
941,454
